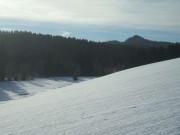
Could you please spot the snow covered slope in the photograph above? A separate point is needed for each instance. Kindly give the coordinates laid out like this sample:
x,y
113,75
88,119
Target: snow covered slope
x,y
11,90
139,101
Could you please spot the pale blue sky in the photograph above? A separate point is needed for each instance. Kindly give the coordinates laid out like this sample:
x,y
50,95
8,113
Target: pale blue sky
x,y
98,20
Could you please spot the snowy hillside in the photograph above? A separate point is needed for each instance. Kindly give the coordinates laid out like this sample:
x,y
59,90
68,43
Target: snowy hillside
x,y
139,101
10,90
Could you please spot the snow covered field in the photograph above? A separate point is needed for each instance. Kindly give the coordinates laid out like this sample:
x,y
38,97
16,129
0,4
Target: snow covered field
x,y
139,101
11,90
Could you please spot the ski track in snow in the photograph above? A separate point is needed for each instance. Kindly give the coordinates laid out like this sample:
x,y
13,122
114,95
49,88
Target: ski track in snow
x,y
138,101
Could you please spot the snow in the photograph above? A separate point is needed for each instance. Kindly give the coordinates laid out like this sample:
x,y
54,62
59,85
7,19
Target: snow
x,y
139,101
11,90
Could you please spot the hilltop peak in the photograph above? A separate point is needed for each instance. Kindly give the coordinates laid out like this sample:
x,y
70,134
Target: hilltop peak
x,y
140,41
135,38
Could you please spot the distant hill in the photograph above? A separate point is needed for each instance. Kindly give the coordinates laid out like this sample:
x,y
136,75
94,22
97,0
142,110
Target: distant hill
x,y
114,42
141,42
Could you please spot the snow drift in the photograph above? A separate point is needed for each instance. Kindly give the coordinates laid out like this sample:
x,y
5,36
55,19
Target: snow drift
x,y
10,90
138,101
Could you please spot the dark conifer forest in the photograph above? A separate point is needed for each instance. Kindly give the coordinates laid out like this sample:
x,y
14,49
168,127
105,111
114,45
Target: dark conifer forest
x,y
26,55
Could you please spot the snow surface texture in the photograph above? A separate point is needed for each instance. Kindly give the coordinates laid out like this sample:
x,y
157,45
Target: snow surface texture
x,y
139,101
10,90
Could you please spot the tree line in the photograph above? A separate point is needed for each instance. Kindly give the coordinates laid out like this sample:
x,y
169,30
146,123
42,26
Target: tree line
x,y
26,55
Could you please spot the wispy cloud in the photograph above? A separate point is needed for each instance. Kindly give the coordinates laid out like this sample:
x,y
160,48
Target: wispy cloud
x,y
65,33
162,14
6,29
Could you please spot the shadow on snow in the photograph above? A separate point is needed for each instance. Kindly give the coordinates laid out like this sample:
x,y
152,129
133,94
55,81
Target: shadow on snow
x,y
11,87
